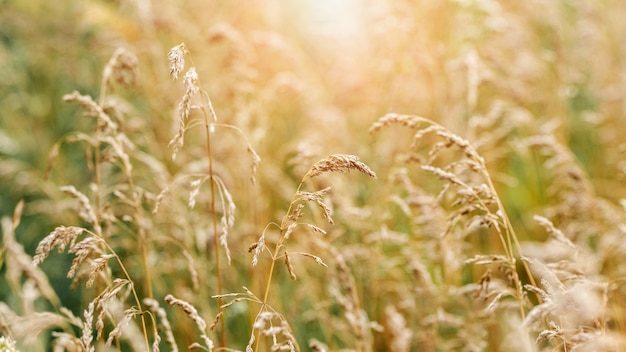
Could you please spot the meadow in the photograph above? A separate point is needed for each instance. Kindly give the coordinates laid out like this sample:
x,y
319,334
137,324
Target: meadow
x,y
312,175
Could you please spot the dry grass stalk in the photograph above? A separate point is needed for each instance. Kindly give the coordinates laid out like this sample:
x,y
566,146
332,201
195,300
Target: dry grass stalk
x,y
195,277
190,81
85,210
289,231
227,220
184,109
117,331
399,334
66,342
82,250
272,325
342,288
409,121
568,308
164,323
289,266
27,327
338,163
195,190
176,58
92,245
19,263
189,310
159,200
177,64
258,248
334,163
472,205
317,259
92,109
317,346
553,231
318,198
443,175
97,266
416,241
60,237
217,186
105,298
7,344
192,313
256,160
87,337
121,69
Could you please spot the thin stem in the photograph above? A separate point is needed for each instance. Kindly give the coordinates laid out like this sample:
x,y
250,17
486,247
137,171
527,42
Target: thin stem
x,y
97,183
143,237
509,247
207,127
511,232
283,227
96,159
132,287
271,273
511,242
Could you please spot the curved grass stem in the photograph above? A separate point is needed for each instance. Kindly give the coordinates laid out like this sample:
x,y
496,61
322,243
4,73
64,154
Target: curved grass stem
x,y
283,228
132,287
207,126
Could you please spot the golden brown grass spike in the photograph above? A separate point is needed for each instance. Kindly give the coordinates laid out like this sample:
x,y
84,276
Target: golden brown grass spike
x,y
192,313
338,163
60,237
153,305
292,274
121,68
403,120
92,109
176,58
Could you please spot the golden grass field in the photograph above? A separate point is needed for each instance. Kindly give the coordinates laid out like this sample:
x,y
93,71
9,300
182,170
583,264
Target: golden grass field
x,y
300,175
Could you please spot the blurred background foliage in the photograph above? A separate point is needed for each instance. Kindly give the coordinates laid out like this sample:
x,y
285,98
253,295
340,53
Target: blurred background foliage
x,y
296,67
304,79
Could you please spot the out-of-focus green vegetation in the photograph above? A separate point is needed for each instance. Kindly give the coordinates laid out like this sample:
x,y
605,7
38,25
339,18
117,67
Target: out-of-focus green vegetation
x,y
536,88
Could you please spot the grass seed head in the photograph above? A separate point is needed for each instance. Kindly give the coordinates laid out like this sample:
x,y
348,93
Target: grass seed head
x,y
60,237
154,307
338,163
121,68
409,121
292,274
83,250
92,109
176,58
